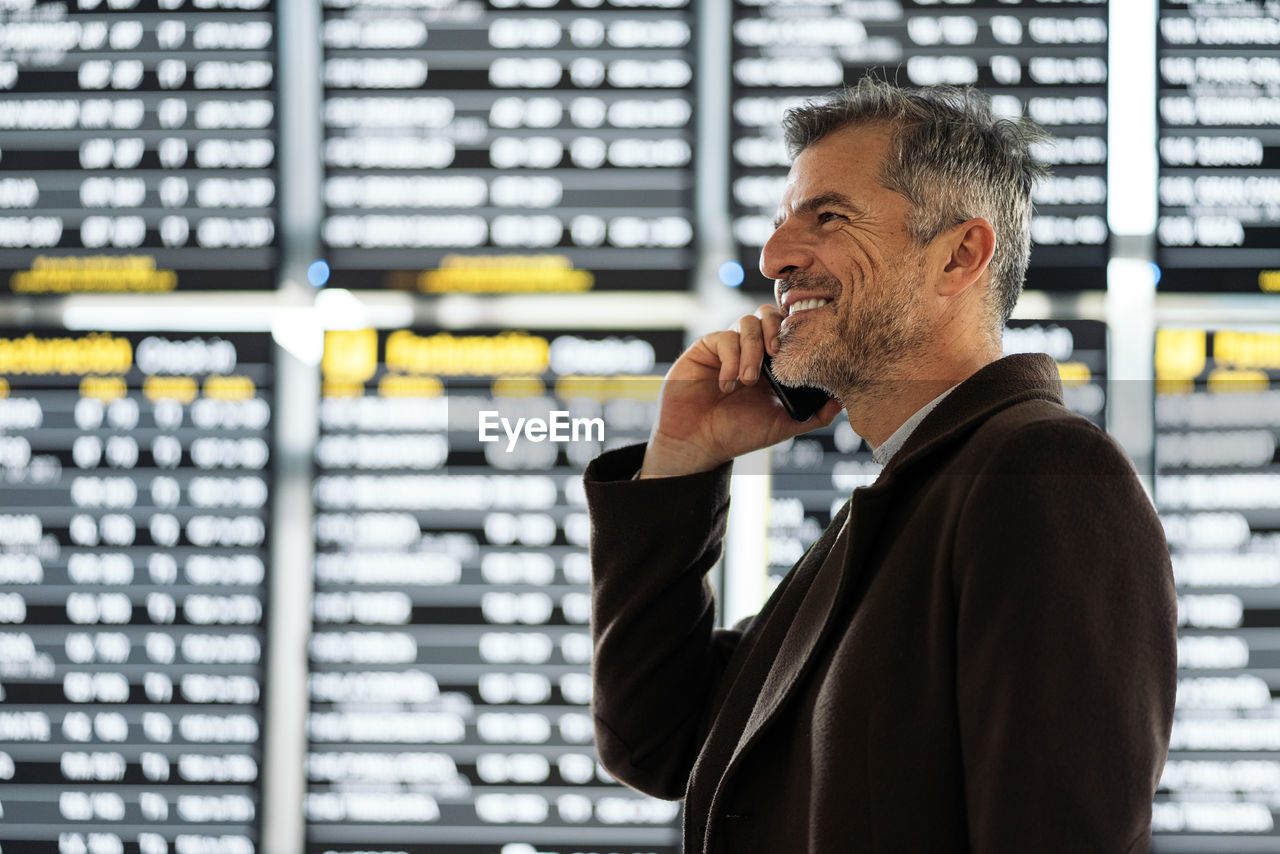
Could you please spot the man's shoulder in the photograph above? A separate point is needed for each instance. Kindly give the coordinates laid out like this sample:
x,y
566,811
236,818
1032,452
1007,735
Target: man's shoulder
x,y
1042,437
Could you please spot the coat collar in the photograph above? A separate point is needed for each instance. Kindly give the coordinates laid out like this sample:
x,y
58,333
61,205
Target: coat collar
x,y
996,386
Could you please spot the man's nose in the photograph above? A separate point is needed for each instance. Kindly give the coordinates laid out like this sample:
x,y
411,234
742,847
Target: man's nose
x,y
784,253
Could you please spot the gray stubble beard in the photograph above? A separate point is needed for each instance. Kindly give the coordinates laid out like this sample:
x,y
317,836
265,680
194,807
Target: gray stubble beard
x,y
883,332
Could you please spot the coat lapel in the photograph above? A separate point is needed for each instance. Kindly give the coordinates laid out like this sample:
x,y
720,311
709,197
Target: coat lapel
x,y
839,573
747,675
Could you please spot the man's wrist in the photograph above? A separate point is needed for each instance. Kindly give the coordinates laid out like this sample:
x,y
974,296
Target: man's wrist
x,y
667,458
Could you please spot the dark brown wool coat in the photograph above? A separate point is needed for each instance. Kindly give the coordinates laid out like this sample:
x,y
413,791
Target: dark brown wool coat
x,y
983,662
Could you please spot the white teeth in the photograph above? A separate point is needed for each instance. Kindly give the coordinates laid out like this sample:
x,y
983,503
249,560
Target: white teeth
x,y
806,304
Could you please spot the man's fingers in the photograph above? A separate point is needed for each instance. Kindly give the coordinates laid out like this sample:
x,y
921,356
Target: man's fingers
x,y
751,345
770,323
829,411
728,351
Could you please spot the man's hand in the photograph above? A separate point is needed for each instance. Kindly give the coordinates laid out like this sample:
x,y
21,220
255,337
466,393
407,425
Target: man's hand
x,y
714,406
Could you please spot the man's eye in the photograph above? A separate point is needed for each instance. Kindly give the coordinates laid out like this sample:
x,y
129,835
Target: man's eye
x,y
828,216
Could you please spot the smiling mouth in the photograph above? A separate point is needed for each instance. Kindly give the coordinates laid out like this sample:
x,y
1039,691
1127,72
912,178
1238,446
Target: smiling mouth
x,y
806,305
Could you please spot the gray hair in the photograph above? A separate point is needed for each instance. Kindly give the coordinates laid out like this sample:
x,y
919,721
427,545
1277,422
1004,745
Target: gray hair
x,y
950,157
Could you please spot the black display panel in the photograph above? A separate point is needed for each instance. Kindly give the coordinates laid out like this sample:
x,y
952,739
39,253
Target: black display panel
x,y
137,146
1219,85
1217,488
1040,58
133,530
450,655
814,474
509,147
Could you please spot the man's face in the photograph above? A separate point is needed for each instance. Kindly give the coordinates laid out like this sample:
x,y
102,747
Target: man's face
x,y
849,278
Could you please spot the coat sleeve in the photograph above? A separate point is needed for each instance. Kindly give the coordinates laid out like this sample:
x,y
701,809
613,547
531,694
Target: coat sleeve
x,y
1066,646
657,657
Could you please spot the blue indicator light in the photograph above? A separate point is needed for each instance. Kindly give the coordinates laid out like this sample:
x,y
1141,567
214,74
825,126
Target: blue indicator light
x,y
1155,272
732,274
318,273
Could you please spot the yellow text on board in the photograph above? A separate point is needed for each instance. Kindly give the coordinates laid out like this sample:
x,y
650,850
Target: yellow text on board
x,y
443,354
534,274
1232,348
95,353
93,274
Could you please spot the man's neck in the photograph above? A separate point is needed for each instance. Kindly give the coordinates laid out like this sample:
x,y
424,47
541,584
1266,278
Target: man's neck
x,y
878,410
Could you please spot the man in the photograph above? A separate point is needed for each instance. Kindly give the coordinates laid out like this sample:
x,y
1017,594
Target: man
x,y
978,655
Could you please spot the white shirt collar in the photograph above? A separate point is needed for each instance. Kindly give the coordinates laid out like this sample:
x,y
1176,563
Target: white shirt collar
x,y
894,443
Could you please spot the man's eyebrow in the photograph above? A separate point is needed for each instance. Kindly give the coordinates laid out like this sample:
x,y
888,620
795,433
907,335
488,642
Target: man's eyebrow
x,y
830,199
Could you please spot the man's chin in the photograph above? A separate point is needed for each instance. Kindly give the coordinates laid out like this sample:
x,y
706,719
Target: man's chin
x,y
793,369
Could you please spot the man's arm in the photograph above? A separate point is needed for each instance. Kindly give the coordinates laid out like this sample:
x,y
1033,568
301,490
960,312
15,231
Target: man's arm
x,y
657,657
653,537
1066,646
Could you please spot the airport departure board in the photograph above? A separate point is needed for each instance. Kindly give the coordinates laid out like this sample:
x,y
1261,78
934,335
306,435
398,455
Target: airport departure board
x,y
450,657
509,146
137,146
133,529
1045,60
1219,118
814,474
1217,488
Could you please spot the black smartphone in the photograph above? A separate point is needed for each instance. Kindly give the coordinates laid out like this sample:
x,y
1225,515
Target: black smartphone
x,y
801,402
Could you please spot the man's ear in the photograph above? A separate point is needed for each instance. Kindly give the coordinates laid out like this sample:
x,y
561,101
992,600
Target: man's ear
x,y
967,250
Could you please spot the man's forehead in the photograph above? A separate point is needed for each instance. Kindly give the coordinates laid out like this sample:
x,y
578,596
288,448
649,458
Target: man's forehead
x,y
841,168
807,180
845,161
